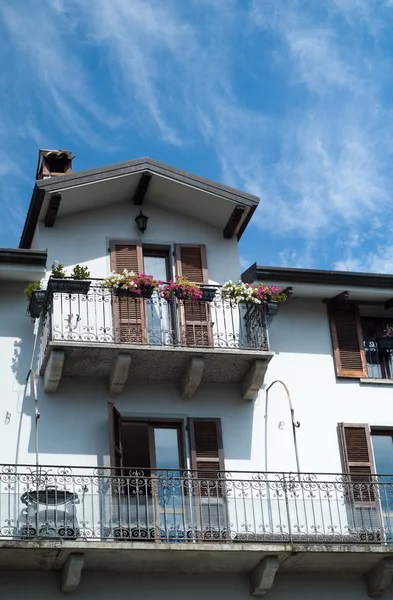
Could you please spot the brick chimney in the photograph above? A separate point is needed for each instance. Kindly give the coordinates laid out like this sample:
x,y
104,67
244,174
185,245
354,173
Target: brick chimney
x,y
52,163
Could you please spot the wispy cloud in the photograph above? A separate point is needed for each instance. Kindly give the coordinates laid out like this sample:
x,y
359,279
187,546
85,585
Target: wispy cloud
x,y
379,260
286,99
332,174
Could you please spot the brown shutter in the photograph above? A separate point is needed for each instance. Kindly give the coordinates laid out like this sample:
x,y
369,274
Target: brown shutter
x,y
346,332
207,455
129,313
194,316
114,423
358,460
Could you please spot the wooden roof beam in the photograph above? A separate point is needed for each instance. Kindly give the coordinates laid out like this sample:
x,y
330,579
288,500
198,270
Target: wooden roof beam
x,y
233,222
389,304
52,210
342,297
141,189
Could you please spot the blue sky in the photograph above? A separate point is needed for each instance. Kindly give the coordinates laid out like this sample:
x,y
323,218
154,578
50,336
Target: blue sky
x,y
287,99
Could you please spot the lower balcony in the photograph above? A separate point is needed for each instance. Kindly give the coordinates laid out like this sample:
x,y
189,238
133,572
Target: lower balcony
x,y
101,333
163,521
176,506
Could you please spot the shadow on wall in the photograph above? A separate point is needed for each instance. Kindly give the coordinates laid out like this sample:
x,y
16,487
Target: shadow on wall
x,y
301,326
72,423
74,420
17,326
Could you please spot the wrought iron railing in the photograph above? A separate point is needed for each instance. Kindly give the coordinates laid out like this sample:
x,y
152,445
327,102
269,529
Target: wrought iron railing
x,y
189,507
103,316
379,360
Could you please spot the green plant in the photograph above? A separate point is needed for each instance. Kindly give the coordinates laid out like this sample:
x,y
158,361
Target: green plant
x,y
81,273
34,286
58,271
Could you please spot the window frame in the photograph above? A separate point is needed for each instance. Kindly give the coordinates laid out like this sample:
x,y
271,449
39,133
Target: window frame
x,y
383,353
162,423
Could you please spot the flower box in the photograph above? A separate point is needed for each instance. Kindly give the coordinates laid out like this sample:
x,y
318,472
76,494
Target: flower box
x,y
181,295
272,307
208,294
68,286
145,292
36,303
386,343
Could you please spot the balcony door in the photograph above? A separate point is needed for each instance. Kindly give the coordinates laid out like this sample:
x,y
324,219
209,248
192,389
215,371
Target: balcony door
x,y
159,318
153,497
382,442
149,456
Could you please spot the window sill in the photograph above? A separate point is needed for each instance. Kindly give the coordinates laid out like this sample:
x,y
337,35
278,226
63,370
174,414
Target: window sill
x,y
371,381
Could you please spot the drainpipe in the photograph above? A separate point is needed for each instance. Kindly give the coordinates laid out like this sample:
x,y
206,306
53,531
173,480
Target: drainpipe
x,y
33,376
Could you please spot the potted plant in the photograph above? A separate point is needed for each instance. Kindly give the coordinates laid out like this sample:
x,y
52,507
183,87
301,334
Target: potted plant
x,y
237,293
182,289
76,284
36,297
386,341
269,296
133,285
80,276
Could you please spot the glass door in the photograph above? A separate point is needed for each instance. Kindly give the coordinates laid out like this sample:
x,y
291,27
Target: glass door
x,y
169,488
158,311
382,442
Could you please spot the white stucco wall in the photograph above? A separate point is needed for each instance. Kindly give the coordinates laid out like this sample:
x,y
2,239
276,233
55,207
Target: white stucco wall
x,y
300,336
83,238
177,587
73,427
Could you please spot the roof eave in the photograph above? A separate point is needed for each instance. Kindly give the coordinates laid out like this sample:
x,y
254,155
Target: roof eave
x,y
155,168
346,279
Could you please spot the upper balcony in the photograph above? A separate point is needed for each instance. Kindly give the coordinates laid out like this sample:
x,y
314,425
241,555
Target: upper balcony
x,y
97,332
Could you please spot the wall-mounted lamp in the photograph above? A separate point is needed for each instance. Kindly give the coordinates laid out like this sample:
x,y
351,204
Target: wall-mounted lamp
x,y
141,222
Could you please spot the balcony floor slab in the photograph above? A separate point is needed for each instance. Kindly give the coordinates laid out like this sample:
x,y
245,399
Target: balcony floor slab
x,y
210,557
223,365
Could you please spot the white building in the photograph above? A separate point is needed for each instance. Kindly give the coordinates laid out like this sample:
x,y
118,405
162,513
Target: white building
x,y
145,450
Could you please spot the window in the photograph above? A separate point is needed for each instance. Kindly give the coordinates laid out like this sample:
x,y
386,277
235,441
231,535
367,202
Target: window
x,y
361,489
382,442
159,316
378,347
151,445
153,321
362,346
153,496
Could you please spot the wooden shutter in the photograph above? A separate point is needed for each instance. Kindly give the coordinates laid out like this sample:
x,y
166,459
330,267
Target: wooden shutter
x,y
207,456
116,454
346,332
129,313
194,316
358,460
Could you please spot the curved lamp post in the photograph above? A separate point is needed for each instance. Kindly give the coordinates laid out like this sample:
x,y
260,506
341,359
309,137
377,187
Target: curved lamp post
x,y
295,424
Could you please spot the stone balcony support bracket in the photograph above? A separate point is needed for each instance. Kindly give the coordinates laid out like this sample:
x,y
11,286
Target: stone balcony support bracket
x,y
191,379
262,578
379,578
71,573
254,379
119,374
54,370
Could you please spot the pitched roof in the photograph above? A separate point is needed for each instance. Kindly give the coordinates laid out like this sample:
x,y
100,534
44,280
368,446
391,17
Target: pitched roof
x,y
136,167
